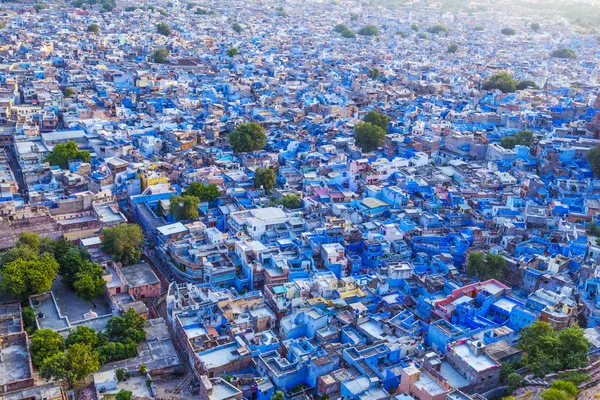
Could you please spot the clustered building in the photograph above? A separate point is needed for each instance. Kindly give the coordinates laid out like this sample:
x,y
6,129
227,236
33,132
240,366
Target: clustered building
x,y
362,291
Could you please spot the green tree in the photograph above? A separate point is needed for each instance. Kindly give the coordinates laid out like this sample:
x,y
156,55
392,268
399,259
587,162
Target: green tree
x,y
184,207
502,81
339,28
84,335
508,31
526,84
68,92
593,157
160,56
124,395
535,27
120,374
29,239
523,138
232,52
374,73
19,252
44,344
415,27
127,328
143,369
278,395
163,29
265,178
348,34
369,30
72,262
546,351
437,29
123,242
368,136
29,319
479,28
237,27
93,28
116,351
514,380
488,266
75,364
63,152
208,193
567,387
23,278
89,283
553,394
247,137
375,118
573,348
564,53
39,6
291,202
452,48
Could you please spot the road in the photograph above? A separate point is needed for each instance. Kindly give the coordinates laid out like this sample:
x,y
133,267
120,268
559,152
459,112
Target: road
x,y
14,165
160,269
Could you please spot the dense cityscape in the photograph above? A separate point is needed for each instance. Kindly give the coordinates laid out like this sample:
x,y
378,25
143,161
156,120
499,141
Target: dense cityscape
x,y
275,200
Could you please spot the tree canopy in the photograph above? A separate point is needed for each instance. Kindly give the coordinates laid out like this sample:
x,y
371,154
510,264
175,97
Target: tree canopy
x,y
522,85
368,136
93,28
45,343
265,178
291,202
486,266
502,81
535,27
124,395
75,364
452,48
348,34
381,120
593,157
237,27
437,29
163,29
547,351
22,278
128,328
339,28
247,137
123,243
560,390
374,73
204,192
508,31
564,53
232,52
523,138
184,207
89,283
369,30
161,55
63,152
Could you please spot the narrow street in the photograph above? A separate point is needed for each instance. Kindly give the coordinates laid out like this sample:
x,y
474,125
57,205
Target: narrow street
x,y
14,165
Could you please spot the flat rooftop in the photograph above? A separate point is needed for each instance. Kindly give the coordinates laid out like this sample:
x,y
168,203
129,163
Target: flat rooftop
x,y
478,363
139,275
14,364
219,357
